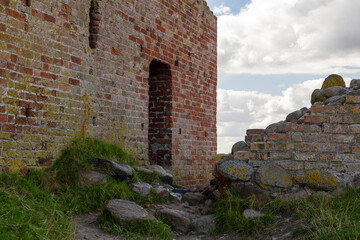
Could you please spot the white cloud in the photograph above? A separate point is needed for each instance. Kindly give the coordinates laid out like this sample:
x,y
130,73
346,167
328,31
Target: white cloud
x,y
241,110
222,10
282,36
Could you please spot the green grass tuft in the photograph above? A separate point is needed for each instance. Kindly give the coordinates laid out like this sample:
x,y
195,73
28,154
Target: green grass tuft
x,y
42,204
150,229
229,218
29,212
74,159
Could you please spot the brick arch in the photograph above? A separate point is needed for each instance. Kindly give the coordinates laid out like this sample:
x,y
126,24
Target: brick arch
x,y
160,113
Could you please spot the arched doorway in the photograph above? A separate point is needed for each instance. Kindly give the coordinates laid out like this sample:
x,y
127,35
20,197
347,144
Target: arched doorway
x,y
160,113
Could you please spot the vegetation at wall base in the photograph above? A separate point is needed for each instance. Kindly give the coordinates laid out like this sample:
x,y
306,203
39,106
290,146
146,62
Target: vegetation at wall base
x,y
75,158
43,203
39,205
229,216
149,229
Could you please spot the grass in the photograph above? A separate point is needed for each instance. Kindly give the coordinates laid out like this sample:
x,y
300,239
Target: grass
x,y
148,229
29,212
329,218
74,159
42,204
322,217
229,216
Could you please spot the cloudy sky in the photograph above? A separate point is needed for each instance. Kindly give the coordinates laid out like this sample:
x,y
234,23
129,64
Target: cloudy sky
x,y
273,53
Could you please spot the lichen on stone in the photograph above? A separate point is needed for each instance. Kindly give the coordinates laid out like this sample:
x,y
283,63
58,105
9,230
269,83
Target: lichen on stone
x,y
317,180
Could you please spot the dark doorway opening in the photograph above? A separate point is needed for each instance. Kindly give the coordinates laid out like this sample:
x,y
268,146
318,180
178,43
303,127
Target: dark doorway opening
x,y
160,113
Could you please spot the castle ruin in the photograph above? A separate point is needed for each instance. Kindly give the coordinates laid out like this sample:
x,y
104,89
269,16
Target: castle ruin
x,y
141,73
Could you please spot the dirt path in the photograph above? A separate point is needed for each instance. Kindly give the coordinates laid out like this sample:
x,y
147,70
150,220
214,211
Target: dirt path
x,y
87,228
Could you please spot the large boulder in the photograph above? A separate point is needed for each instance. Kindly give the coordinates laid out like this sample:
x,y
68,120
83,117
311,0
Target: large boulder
x,y
294,116
126,212
317,180
355,84
180,220
335,91
275,127
318,95
332,81
335,101
271,175
240,146
112,168
205,224
193,198
164,176
143,189
235,170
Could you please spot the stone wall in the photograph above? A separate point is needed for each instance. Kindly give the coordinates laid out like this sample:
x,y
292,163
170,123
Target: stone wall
x,y
317,148
81,68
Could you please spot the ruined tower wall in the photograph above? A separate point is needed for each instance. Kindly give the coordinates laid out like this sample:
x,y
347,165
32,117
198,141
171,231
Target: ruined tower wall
x,y
81,67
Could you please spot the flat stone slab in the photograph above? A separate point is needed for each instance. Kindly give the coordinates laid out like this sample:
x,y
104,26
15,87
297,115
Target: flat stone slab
x,y
92,178
205,224
271,175
193,198
126,212
141,188
318,180
179,219
236,170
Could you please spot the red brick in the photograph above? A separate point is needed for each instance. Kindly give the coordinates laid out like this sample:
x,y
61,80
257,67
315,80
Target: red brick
x,y
302,147
258,146
244,155
316,138
49,18
46,59
278,137
342,138
283,146
74,82
354,128
294,127
255,131
5,2
315,118
15,14
345,158
318,147
76,60
336,128
351,119
316,108
2,27
335,119
326,157
305,156
352,99
335,109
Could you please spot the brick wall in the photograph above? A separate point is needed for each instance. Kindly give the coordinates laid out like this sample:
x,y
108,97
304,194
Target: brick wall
x,y
81,67
327,141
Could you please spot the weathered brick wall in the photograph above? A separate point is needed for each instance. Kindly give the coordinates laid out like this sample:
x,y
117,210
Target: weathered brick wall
x,y
81,67
327,142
